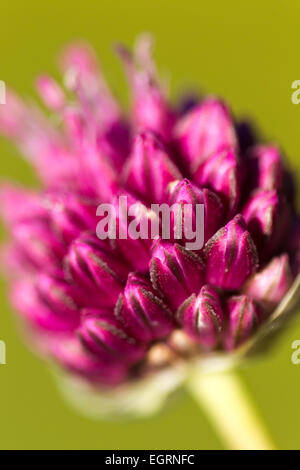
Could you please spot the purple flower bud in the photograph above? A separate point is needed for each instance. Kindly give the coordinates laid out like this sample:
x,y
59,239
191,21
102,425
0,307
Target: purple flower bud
x,y
74,357
202,317
12,115
149,169
40,142
184,192
106,337
96,269
230,255
150,108
98,178
51,93
136,251
36,242
265,168
40,244
221,172
268,217
19,205
142,311
205,130
270,285
175,272
244,318
71,214
14,262
101,118
50,304
82,75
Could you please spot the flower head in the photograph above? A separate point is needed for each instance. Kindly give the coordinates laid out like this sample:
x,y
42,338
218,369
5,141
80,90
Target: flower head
x,y
112,311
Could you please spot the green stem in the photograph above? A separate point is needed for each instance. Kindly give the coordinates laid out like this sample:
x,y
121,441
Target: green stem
x,y
226,402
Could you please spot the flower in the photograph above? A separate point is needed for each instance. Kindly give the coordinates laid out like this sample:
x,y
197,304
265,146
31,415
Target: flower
x,y
202,317
114,311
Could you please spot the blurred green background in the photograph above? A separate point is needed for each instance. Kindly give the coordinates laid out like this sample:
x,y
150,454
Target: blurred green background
x,y
246,52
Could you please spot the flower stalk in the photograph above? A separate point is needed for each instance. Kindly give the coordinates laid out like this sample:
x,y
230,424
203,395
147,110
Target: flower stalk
x,y
227,403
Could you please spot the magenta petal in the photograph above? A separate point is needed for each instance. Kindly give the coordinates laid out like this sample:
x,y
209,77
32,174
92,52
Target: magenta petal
x,y
265,168
202,317
136,251
231,256
96,269
221,172
184,192
150,108
149,169
143,311
20,205
244,318
268,218
49,304
72,355
40,244
175,272
106,337
205,130
51,93
270,285
71,214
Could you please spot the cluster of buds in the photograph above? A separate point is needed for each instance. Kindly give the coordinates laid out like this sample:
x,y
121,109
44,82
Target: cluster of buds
x,y
101,307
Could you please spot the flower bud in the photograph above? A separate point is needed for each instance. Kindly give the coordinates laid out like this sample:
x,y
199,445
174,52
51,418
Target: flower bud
x,y
142,311
175,272
221,172
202,317
50,303
149,169
133,230
244,318
96,269
14,262
83,76
107,338
35,240
230,255
74,357
40,244
270,285
71,215
19,205
205,130
12,116
265,168
268,217
184,192
39,142
98,178
50,92
150,108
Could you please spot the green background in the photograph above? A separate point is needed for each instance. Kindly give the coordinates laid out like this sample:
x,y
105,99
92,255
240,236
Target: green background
x,y
247,52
